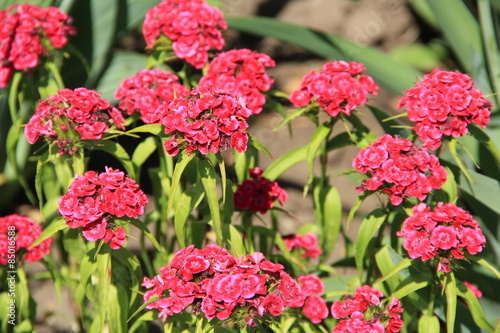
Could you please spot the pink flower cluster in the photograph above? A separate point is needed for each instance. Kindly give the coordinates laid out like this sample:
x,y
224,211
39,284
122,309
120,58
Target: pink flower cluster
x,y
191,25
71,116
475,290
26,31
405,170
17,233
444,104
314,306
364,312
205,120
94,200
258,194
308,244
443,234
219,285
146,90
242,73
338,87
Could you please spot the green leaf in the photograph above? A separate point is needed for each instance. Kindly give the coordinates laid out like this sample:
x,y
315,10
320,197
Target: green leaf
x,y
154,129
423,56
181,164
428,323
474,307
188,201
392,74
480,135
452,146
142,152
49,231
484,189
115,149
331,222
295,114
354,209
411,284
123,64
285,162
367,231
319,137
392,127
235,240
451,301
485,264
141,226
258,145
208,179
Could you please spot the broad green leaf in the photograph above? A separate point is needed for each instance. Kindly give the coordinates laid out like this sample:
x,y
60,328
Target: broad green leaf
x,y
412,283
450,187
480,135
428,323
142,152
154,129
285,162
332,221
244,161
258,145
451,301
422,56
462,31
188,201
49,231
474,307
485,264
104,283
208,179
318,138
180,166
355,208
366,232
386,265
123,64
115,149
384,69
392,127
235,240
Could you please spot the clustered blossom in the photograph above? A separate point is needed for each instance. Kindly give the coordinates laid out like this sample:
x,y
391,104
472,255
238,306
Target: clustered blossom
x,y
364,312
192,26
444,104
27,32
400,167
475,290
205,120
242,73
95,200
219,285
71,116
17,233
338,87
146,90
308,244
258,194
314,306
444,234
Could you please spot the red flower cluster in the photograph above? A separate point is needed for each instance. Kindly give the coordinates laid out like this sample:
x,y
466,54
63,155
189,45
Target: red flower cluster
x,y
146,90
307,243
258,194
191,25
72,116
366,301
26,31
444,104
338,87
220,285
314,306
17,233
94,200
205,120
242,73
406,170
443,234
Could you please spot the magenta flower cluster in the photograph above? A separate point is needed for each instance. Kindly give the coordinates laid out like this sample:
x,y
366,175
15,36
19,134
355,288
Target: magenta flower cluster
x,y
220,285
315,307
338,88
146,90
26,31
400,168
71,116
205,120
242,73
258,194
443,234
306,244
95,200
19,232
444,104
192,26
364,312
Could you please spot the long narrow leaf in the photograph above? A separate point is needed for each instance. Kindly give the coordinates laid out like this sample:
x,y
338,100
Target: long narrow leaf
x,y
367,231
208,179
